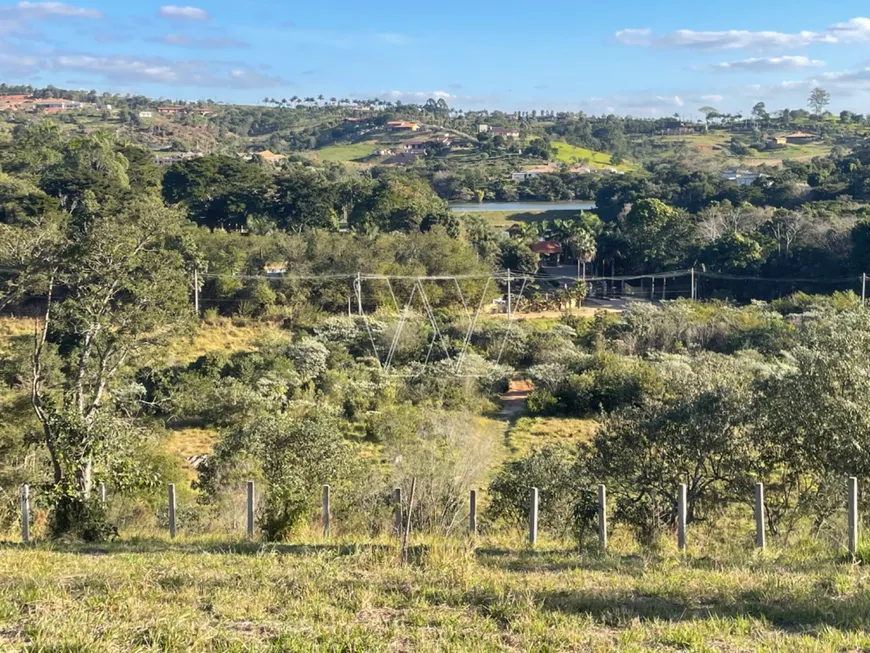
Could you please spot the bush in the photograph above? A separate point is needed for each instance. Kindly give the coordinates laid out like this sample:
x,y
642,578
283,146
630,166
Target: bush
x,y
297,455
541,402
560,489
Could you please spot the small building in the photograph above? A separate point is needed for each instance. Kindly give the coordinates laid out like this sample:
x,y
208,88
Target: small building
x,y
740,177
401,125
548,249
168,158
799,138
482,129
775,143
507,132
146,114
56,105
531,173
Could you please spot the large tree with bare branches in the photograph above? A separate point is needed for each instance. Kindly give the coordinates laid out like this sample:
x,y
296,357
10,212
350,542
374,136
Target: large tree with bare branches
x,y
111,289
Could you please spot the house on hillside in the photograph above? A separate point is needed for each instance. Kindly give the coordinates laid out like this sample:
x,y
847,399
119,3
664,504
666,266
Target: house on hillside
x,y
168,158
169,110
54,106
173,110
799,138
740,177
146,114
507,132
401,125
775,143
549,251
482,129
531,173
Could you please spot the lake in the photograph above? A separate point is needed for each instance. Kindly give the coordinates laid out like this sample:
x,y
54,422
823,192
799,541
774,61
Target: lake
x,y
519,207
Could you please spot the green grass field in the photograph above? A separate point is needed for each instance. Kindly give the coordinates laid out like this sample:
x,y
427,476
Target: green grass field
x,y
199,595
348,152
573,154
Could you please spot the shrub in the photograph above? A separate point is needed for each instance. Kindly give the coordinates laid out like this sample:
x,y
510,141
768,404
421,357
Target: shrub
x,y
553,471
541,402
297,455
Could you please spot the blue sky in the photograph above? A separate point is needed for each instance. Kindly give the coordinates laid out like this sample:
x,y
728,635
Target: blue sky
x,y
629,57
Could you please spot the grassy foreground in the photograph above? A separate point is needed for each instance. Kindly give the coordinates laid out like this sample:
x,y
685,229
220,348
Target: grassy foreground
x,y
200,596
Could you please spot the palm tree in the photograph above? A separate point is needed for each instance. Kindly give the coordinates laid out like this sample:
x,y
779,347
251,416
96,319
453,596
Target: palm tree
x,y
320,98
583,247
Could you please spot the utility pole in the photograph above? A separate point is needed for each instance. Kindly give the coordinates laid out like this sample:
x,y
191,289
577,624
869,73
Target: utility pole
x,y
509,293
196,291
359,293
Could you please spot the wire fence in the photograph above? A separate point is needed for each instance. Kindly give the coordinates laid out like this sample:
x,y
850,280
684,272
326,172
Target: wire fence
x,y
402,514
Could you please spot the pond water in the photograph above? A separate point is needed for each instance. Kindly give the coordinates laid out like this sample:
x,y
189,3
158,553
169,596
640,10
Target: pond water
x,y
518,207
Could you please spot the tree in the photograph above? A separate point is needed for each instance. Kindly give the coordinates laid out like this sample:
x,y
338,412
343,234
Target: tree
x,y
657,234
115,288
760,112
819,99
709,113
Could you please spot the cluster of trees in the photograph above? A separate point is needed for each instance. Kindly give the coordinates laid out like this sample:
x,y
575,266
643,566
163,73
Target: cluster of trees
x,y
762,398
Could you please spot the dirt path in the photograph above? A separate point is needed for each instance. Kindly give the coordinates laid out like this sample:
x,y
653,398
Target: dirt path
x,y
513,403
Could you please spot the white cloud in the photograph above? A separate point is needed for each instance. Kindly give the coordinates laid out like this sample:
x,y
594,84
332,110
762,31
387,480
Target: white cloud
x,y
766,64
712,98
206,74
37,10
634,36
184,41
184,13
415,96
854,30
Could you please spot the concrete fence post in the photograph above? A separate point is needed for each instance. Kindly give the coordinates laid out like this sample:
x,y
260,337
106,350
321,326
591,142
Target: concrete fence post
x,y
760,536
325,510
250,510
602,517
533,517
102,493
681,518
853,517
25,513
172,530
472,515
397,506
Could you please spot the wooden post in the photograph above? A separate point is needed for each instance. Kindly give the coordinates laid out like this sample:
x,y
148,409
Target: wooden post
x,y
397,506
533,517
196,291
472,516
602,517
25,513
853,517
693,283
102,492
325,510
863,289
664,288
760,539
172,530
652,289
681,518
250,510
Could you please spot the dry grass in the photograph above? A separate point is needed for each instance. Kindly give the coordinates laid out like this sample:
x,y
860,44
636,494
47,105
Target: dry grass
x,y
535,432
221,335
332,596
